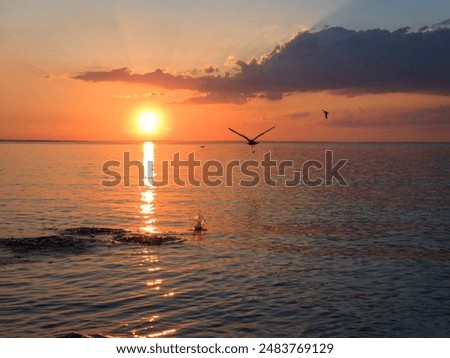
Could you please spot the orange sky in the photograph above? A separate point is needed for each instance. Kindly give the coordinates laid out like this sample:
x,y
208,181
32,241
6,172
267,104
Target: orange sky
x,y
39,99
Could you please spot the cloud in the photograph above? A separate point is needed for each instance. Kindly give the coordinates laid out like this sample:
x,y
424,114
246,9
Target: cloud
x,y
345,61
53,77
211,69
374,61
157,78
295,115
271,96
215,89
435,116
421,117
219,97
139,96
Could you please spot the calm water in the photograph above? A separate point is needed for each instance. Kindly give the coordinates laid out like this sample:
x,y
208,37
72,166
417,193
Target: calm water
x,y
370,259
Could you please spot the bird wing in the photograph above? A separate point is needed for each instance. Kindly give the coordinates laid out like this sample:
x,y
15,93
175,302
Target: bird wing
x,y
259,135
231,129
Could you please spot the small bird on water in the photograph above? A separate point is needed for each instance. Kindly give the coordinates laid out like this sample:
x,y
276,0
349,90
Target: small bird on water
x,y
199,223
325,113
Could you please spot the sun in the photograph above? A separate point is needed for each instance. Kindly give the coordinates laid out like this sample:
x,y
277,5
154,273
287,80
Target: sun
x,y
148,122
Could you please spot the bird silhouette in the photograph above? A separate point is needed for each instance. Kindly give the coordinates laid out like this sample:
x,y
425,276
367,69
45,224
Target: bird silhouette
x,y
253,141
325,113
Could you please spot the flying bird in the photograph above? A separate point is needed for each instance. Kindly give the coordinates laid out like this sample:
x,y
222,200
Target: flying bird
x,y
253,141
325,113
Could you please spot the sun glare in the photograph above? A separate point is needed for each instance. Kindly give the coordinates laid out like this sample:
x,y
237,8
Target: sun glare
x,y
148,122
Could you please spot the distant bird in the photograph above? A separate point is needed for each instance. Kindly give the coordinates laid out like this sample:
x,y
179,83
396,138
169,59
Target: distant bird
x,y
253,141
325,113
202,146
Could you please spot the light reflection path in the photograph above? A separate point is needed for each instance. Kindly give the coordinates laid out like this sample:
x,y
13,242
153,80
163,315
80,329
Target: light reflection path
x,y
147,207
154,283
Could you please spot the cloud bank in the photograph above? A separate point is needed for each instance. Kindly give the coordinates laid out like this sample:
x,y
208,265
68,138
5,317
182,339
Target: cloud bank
x,y
337,59
438,117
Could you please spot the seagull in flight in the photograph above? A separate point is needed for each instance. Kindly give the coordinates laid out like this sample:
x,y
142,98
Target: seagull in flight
x,y
325,113
253,141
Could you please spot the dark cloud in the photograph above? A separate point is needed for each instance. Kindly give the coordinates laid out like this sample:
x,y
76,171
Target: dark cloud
x,y
346,61
421,117
271,96
211,69
364,61
219,97
156,78
216,89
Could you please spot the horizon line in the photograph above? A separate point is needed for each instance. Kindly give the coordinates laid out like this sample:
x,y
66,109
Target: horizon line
x,y
85,141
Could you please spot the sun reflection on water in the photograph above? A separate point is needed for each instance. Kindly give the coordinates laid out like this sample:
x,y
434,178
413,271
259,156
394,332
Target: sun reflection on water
x,y
150,262
147,207
153,335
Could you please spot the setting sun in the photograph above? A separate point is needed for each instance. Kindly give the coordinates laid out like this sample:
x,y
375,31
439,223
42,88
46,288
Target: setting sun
x,y
148,122
224,169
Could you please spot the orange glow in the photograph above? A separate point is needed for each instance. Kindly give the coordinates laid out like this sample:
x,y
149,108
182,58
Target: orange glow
x,y
149,122
116,117
162,97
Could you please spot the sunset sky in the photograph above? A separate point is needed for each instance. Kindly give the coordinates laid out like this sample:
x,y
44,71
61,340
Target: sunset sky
x,y
87,70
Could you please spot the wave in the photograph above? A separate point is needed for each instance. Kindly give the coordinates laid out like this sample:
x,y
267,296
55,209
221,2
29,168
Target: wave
x,y
81,239
123,236
80,335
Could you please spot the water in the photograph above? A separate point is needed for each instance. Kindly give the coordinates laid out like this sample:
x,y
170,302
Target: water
x,y
371,259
